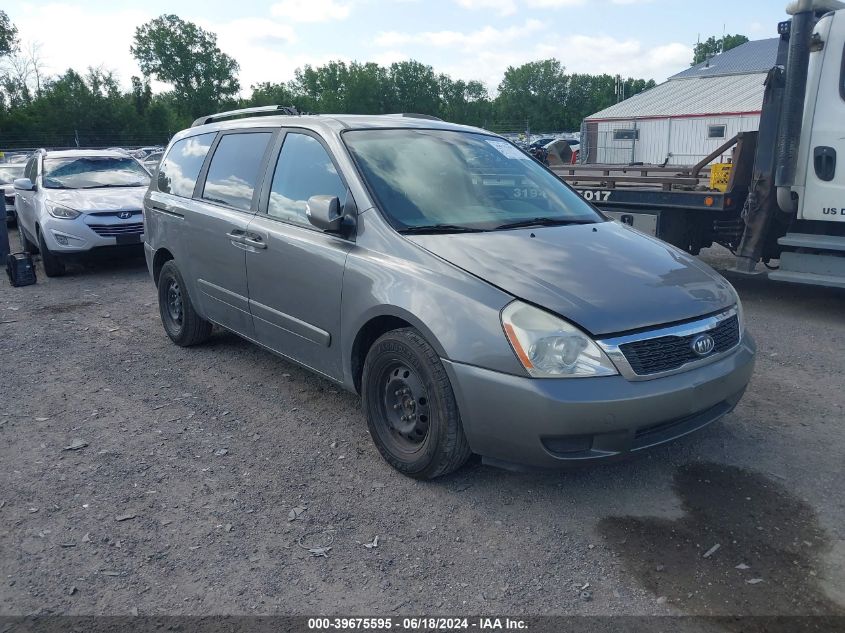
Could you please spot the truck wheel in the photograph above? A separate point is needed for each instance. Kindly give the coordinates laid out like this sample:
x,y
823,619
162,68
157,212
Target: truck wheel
x,y
181,322
53,265
411,409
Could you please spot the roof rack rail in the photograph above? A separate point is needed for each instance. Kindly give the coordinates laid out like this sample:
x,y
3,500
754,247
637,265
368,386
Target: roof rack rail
x,y
230,114
415,115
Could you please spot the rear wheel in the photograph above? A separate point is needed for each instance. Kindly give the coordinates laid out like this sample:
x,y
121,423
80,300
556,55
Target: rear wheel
x,y
53,265
411,409
181,322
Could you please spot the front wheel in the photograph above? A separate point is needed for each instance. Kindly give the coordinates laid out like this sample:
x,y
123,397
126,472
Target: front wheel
x,y
411,410
181,322
53,265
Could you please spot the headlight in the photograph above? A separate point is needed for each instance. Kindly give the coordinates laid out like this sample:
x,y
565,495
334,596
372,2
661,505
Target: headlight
x,y
740,314
61,211
549,347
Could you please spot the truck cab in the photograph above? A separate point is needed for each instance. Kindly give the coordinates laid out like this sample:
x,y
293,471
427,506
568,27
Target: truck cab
x,y
820,178
813,248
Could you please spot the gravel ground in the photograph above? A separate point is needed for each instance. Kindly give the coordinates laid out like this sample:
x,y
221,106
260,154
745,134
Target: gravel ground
x,y
206,474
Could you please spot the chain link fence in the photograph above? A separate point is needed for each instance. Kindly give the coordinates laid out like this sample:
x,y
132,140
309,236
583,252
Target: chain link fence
x,y
95,139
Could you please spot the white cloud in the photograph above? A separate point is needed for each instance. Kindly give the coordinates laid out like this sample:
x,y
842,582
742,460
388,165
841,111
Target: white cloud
x,y
554,4
472,41
502,7
269,49
604,54
73,37
259,31
311,10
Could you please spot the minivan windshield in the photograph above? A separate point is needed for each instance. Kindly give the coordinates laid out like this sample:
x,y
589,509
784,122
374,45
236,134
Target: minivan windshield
x,y
448,181
93,172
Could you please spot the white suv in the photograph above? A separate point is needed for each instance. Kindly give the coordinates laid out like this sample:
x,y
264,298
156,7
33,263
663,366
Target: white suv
x,y
71,202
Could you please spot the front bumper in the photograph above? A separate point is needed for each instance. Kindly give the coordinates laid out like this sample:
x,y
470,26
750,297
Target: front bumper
x,y
551,423
80,235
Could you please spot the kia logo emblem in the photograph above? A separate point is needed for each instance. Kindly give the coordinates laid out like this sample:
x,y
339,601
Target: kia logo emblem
x,y
703,344
124,215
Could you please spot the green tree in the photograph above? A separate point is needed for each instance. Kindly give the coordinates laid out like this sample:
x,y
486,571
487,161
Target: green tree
x,y
366,88
412,87
8,35
182,54
712,46
732,41
535,91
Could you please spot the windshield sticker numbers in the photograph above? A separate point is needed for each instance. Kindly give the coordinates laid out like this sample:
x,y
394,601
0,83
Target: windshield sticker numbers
x,y
529,192
595,195
507,150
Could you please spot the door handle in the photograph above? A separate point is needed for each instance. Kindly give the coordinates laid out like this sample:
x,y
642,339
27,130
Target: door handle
x,y
824,162
254,240
236,236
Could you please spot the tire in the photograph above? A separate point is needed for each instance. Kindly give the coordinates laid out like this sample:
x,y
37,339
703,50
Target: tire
x,y
404,378
180,320
53,265
26,245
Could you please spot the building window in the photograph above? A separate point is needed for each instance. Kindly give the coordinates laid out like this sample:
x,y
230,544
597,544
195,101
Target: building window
x,y
626,134
716,131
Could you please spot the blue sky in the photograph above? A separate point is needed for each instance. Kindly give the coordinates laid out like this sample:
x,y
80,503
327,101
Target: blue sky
x,y
468,39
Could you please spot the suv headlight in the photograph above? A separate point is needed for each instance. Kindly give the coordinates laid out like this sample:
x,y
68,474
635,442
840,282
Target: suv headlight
x,y
549,347
62,212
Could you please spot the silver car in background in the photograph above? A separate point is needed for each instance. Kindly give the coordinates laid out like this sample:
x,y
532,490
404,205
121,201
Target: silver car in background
x,y
475,301
75,201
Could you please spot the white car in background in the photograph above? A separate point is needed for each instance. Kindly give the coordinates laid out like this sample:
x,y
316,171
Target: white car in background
x,y
9,172
71,202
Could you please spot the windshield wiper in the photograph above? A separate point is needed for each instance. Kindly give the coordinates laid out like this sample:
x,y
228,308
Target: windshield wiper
x,y
540,222
441,228
137,184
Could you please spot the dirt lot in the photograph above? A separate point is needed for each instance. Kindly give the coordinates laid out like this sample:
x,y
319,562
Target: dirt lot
x,y
196,460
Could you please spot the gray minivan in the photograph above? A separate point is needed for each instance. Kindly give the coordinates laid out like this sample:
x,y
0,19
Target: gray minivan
x,y
474,300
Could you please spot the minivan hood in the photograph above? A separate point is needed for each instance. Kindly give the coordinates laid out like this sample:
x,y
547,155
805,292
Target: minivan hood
x,y
605,277
103,199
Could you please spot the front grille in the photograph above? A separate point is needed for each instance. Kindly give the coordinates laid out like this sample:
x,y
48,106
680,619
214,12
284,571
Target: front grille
x,y
666,353
10,200
113,230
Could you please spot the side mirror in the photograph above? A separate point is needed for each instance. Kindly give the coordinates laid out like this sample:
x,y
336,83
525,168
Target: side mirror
x,y
24,184
324,213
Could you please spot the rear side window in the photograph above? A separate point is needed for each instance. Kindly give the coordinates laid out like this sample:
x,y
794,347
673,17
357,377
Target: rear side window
x,y
234,169
304,169
178,172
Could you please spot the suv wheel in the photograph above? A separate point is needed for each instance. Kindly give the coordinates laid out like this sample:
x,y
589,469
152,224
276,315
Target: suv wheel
x,y
53,265
181,322
411,409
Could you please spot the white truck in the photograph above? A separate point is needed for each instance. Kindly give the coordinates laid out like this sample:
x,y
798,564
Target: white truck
x,y
785,198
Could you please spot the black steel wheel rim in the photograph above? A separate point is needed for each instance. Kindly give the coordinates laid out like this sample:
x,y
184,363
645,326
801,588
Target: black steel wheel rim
x,y
174,302
405,407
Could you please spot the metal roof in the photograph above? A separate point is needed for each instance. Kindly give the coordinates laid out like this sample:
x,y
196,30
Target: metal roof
x,y
730,82
729,94
752,57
